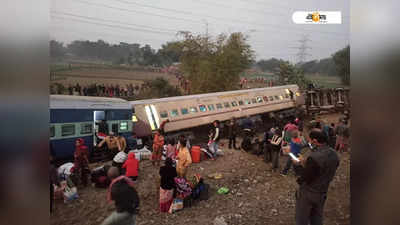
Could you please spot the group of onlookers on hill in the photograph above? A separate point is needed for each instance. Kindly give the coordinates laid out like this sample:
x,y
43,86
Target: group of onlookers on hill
x,y
97,90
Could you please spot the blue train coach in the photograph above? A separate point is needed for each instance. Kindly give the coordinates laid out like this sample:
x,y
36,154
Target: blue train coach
x,y
73,117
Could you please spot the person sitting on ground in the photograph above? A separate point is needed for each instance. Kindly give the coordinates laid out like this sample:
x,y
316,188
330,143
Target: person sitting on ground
x,y
126,201
81,161
112,144
184,160
131,166
167,173
158,143
119,159
99,176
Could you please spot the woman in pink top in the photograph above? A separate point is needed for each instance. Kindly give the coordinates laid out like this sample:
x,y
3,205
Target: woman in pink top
x,y
171,149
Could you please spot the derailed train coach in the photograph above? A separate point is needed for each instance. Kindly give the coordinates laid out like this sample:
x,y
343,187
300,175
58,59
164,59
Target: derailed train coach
x,y
184,112
73,117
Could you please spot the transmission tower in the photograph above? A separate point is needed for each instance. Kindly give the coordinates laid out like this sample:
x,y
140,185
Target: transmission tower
x,y
302,54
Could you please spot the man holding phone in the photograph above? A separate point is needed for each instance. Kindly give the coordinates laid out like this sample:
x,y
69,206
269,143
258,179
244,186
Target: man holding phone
x,y
318,171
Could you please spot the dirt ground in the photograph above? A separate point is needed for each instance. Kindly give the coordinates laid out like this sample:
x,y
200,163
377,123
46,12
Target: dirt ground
x,y
257,195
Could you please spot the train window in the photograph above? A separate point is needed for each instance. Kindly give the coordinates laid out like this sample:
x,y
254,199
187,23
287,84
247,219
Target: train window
x,y
253,100
184,111
52,131
234,104
241,102
226,105
174,112
211,107
259,99
276,97
86,128
202,108
193,109
123,126
219,106
68,129
281,97
164,114
271,98
247,101
265,99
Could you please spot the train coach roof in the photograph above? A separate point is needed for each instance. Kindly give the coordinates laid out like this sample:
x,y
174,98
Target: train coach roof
x,y
85,102
149,101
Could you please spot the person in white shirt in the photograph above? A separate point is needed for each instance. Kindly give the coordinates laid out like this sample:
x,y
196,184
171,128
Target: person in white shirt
x,y
119,159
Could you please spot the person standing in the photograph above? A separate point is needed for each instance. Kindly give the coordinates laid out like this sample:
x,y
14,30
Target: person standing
x,y
232,132
126,201
267,141
184,159
131,165
276,142
81,161
295,147
216,137
167,186
158,143
318,171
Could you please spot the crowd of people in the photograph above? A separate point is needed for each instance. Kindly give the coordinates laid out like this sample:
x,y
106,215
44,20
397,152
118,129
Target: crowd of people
x,y
313,173
101,90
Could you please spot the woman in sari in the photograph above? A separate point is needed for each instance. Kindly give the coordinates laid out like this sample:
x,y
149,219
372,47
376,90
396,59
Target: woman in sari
x,y
158,144
167,173
184,159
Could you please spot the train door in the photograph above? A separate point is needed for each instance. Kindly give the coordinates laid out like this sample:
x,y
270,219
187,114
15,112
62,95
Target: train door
x,y
152,116
100,126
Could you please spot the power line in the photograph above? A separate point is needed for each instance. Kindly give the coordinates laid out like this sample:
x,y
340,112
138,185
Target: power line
x,y
302,54
268,26
113,26
112,21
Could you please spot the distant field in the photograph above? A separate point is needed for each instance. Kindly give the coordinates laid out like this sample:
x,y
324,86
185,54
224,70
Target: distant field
x,y
326,81
107,76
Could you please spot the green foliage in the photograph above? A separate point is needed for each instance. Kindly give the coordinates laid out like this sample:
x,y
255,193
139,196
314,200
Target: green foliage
x,y
158,88
290,74
57,50
342,61
270,64
214,65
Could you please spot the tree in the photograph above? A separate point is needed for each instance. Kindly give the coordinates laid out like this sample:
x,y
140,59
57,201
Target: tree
x,y
269,65
158,88
214,65
170,52
290,74
342,62
57,49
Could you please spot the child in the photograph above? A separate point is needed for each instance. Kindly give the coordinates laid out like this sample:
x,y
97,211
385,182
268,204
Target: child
x,y
132,166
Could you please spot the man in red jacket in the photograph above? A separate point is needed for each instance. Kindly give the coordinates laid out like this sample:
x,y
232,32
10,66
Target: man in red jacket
x,y
132,166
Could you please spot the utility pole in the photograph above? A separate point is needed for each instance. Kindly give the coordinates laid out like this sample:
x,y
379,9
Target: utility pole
x,y
302,54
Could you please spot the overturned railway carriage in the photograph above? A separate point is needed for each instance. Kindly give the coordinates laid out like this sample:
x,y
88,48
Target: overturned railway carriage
x,y
73,117
185,112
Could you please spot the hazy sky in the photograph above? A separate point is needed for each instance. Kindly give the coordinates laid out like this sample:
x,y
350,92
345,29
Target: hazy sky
x,y
267,22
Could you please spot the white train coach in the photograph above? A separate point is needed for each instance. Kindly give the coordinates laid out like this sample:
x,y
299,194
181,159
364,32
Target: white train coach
x,y
185,112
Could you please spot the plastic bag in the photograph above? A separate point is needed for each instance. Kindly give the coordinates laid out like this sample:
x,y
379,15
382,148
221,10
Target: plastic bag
x,y
223,190
70,194
176,205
